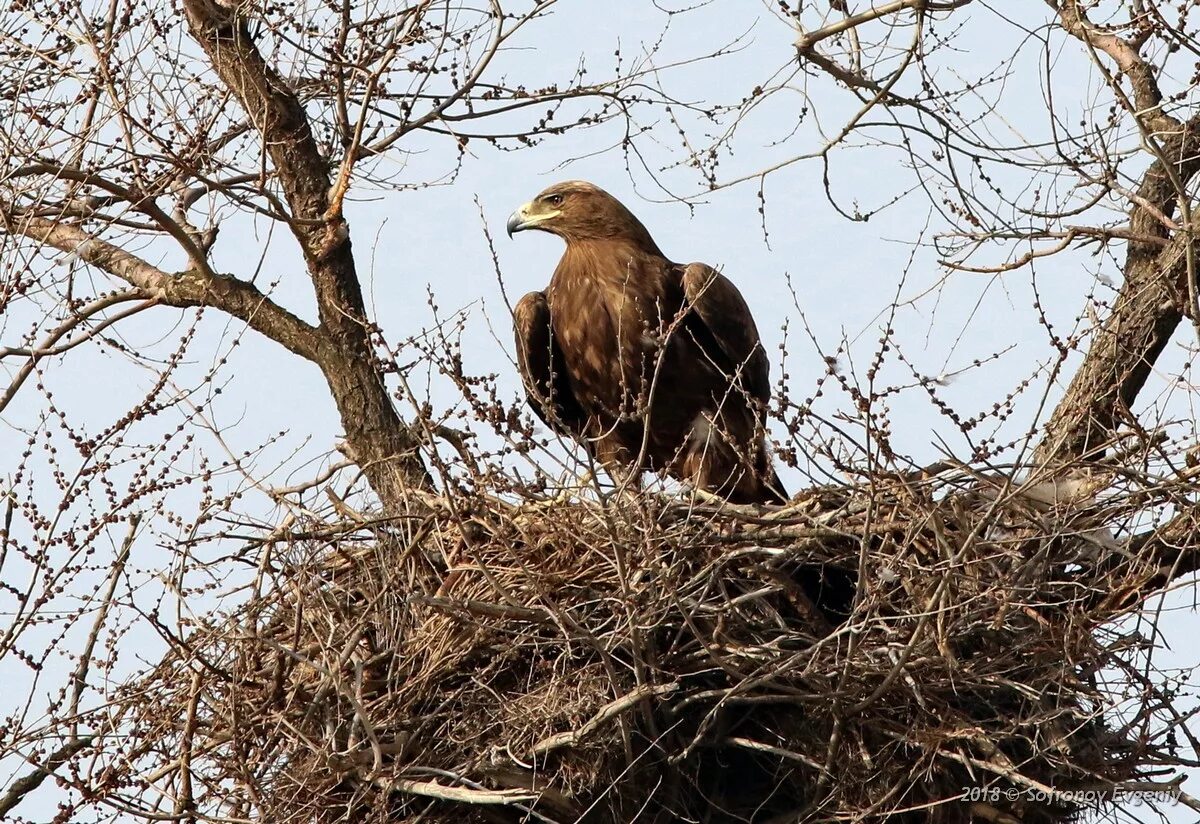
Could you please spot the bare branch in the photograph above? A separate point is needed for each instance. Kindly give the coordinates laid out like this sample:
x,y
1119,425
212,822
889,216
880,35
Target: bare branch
x,y
31,781
183,289
806,40
296,159
380,442
1147,96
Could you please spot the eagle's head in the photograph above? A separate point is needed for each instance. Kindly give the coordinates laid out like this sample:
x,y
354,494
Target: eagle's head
x,y
577,210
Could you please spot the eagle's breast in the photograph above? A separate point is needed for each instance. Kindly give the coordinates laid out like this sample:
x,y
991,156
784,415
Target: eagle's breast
x,y
610,313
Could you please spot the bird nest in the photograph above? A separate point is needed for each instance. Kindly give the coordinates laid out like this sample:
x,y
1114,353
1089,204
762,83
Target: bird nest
x,y
653,659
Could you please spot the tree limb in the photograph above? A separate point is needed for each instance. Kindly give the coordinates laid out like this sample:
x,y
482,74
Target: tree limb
x,y
1147,97
1157,285
183,289
302,171
1143,319
806,40
1155,558
26,784
378,439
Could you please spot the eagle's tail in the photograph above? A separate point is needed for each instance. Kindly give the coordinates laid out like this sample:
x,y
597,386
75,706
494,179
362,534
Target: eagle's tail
x,y
830,589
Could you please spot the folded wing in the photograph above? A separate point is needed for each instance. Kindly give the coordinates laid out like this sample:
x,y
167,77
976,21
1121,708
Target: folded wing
x,y
540,362
721,323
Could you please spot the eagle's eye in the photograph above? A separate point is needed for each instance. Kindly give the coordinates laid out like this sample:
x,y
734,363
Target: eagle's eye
x,y
554,200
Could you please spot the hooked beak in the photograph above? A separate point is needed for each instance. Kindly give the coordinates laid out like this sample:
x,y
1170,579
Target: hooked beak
x,y
529,217
516,221
520,220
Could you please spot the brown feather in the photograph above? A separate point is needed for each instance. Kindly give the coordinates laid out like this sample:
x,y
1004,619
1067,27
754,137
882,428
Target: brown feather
x,y
663,361
540,363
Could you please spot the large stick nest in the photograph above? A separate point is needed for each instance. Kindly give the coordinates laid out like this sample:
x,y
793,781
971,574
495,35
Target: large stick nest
x,y
647,660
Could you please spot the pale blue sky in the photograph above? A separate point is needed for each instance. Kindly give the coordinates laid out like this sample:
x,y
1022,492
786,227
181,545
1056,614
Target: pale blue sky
x,y
844,273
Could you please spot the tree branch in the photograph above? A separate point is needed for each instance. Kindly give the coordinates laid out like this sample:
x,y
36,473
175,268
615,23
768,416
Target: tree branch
x,y
806,40
142,203
184,289
1154,560
26,784
1157,285
1147,97
302,171
382,444
1144,317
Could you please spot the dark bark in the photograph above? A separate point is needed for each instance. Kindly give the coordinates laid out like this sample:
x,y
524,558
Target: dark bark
x,y
1144,317
1154,299
28,783
1155,295
383,445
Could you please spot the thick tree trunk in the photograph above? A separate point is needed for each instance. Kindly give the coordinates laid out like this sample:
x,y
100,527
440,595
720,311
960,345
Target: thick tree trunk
x,y
376,438
382,444
1144,317
1155,295
1153,300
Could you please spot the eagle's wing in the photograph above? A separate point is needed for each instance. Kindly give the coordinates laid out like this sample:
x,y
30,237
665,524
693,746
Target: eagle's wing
x,y
720,322
540,362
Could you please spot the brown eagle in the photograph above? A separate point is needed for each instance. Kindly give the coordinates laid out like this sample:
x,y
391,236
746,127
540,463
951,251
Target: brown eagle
x,y
651,365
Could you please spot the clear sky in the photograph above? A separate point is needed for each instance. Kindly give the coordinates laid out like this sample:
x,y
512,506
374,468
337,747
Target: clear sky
x,y
811,266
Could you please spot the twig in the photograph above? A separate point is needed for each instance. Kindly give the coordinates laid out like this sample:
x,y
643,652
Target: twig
x,y
607,712
462,795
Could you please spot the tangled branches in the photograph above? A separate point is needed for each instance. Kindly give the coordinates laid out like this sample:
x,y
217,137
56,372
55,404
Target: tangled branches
x,y
653,660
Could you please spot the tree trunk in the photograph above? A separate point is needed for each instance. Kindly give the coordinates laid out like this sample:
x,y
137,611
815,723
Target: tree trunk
x,y
1149,307
384,446
378,440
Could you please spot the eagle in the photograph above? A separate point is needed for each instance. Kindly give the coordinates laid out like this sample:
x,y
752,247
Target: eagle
x,y
651,365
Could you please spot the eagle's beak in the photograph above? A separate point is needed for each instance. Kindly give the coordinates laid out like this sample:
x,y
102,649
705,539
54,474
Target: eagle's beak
x,y
531,216
518,221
